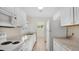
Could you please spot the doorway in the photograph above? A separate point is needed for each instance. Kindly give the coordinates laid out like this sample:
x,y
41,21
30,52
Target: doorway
x,y
42,36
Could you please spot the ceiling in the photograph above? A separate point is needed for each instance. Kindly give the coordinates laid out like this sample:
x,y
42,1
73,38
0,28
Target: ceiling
x,y
45,12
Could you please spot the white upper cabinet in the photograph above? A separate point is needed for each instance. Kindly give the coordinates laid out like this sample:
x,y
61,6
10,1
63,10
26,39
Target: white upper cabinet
x,y
12,17
9,10
7,17
76,15
70,16
67,16
20,16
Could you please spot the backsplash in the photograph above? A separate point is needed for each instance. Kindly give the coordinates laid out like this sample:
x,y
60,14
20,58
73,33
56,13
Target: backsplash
x,y
75,30
12,33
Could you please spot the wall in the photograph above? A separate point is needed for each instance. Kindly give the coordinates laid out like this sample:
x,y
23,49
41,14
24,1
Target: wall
x,y
12,33
32,21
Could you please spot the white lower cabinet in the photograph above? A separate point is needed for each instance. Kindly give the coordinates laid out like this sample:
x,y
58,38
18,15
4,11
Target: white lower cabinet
x,y
28,44
24,46
59,47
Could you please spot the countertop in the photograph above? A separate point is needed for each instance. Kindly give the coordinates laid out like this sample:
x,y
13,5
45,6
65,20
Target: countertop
x,y
71,44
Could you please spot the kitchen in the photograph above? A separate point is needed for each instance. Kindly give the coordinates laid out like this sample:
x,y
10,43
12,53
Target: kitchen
x,y
13,32
18,28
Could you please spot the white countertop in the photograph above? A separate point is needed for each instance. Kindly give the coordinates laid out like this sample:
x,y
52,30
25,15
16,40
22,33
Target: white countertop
x,y
72,44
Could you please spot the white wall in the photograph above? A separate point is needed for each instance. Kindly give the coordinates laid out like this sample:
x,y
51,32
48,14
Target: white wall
x,y
12,33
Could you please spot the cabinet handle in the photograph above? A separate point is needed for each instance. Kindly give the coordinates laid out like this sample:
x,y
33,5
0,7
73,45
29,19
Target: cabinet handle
x,y
45,41
14,17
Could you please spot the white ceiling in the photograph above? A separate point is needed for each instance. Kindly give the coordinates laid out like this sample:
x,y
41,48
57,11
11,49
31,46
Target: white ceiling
x,y
35,12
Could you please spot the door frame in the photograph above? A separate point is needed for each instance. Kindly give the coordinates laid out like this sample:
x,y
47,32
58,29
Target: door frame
x,y
47,35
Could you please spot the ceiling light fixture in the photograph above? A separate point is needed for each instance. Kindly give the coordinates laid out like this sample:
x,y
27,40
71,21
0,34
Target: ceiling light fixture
x,y
40,8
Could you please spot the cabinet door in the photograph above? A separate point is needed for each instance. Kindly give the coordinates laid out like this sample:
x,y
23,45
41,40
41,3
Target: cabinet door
x,y
6,17
67,16
20,16
24,20
76,15
58,47
10,10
